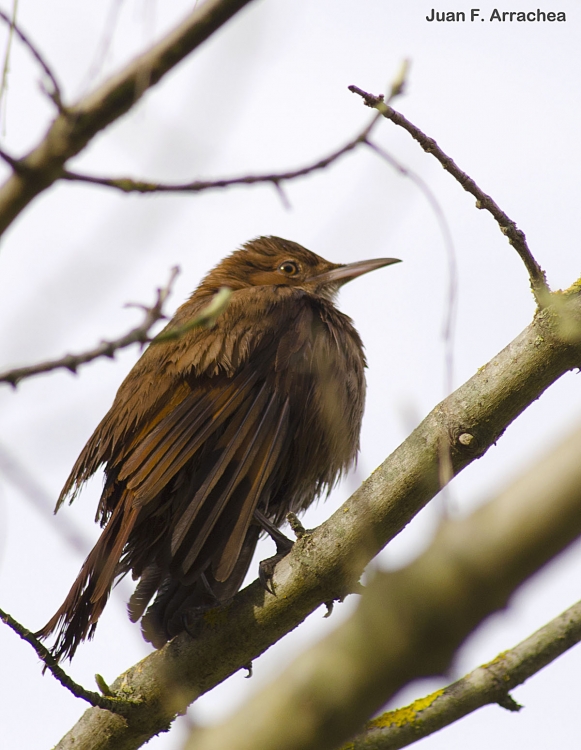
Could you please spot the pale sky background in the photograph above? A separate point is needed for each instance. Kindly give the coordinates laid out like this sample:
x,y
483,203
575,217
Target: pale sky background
x,y
269,92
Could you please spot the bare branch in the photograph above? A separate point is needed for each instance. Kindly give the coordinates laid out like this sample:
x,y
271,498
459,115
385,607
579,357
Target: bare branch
x,y
76,125
128,185
138,335
488,684
55,94
110,703
515,236
410,622
320,569
6,64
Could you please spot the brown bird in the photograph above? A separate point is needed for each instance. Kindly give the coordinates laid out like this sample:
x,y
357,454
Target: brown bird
x,y
215,436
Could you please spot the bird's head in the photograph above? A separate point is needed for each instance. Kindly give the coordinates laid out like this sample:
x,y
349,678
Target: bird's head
x,y
272,261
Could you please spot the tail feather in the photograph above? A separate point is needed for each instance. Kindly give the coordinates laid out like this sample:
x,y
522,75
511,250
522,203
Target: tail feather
x,y
151,580
177,601
77,617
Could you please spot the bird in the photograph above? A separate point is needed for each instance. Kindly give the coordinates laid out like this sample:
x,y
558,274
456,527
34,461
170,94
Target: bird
x,y
215,436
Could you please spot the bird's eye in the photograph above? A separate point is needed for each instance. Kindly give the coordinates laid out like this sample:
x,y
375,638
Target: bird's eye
x,y
289,268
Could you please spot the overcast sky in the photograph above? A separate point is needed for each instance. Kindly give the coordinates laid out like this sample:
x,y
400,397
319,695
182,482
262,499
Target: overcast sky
x,y
269,92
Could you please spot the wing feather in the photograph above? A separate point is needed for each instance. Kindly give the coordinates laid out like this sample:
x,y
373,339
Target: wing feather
x,y
228,503
253,413
271,444
180,435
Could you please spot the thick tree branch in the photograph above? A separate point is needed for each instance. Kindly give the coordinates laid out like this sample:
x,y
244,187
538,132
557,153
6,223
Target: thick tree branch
x,y
327,564
515,236
488,684
76,125
409,623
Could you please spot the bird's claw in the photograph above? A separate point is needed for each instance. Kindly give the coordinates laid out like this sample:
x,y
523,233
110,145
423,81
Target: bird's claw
x,y
266,573
266,567
283,547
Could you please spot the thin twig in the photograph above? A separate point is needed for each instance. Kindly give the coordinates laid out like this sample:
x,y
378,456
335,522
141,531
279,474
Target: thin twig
x,y
116,705
129,185
15,472
71,362
508,227
55,94
488,684
206,318
449,323
6,65
100,56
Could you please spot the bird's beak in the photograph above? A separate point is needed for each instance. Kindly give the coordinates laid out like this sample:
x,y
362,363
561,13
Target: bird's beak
x,y
344,273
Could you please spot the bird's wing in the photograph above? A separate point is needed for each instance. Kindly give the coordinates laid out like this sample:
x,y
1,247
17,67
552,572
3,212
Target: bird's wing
x,y
156,458
235,487
170,377
209,460
216,455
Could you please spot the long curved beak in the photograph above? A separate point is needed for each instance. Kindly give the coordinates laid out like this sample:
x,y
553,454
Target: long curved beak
x,y
344,273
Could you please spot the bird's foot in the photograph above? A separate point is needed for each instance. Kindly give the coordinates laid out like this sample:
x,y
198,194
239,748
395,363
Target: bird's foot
x,y
283,543
283,547
266,567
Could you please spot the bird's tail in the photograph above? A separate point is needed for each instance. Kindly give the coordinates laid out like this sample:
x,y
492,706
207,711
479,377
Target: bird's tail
x,y
77,617
178,605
